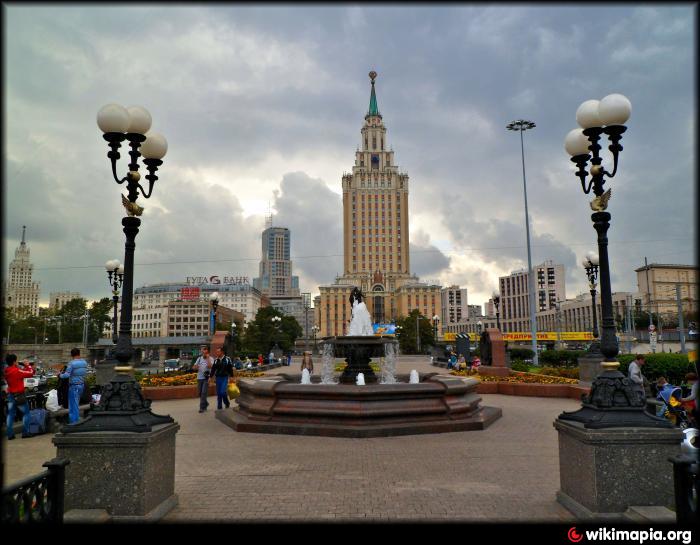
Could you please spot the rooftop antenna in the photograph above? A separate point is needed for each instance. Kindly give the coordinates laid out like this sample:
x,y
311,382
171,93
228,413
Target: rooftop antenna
x,y
268,219
24,229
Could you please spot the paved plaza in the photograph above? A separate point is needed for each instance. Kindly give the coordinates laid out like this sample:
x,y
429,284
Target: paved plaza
x,y
508,472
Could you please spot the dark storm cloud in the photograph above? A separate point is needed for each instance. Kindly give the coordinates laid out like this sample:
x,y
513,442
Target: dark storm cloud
x,y
275,95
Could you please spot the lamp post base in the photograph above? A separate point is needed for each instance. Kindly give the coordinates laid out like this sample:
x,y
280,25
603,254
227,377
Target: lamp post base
x,y
614,402
122,407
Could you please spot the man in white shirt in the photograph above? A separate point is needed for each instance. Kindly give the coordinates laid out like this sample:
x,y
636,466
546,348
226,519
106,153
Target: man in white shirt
x,y
203,365
635,375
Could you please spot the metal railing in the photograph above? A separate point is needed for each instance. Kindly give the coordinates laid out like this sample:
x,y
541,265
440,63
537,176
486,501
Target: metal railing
x,y
37,499
685,483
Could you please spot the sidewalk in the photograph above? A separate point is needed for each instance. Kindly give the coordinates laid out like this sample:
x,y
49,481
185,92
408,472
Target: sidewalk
x,y
508,472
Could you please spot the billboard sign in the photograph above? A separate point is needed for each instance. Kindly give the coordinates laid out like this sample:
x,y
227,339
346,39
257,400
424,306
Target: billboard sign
x,y
527,336
190,294
384,329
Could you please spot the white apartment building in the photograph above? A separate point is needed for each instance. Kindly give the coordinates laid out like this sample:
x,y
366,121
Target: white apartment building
x,y
515,306
454,305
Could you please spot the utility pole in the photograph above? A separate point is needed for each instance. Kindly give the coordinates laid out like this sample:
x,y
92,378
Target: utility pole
x,y
646,267
417,335
629,324
681,325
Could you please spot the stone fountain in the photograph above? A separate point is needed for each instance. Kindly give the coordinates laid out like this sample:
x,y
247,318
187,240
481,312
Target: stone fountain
x,y
392,404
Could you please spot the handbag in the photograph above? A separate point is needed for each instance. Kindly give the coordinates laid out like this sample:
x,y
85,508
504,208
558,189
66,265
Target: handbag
x,y
20,399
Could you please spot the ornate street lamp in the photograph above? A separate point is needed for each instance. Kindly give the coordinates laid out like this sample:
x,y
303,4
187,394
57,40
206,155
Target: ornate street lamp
x,y
276,322
523,125
315,330
613,402
115,274
214,300
122,407
590,264
497,301
436,321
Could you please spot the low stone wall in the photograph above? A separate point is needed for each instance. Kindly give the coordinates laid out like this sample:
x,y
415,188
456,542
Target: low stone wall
x,y
159,393
570,391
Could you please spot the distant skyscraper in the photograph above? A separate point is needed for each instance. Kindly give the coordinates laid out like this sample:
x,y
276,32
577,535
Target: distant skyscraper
x,y
59,298
276,266
20,293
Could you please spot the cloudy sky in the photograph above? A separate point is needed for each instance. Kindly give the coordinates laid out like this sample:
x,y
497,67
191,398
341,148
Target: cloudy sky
x,y
262,107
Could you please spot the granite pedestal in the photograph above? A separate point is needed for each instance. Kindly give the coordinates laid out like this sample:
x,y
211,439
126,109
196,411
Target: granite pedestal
x,y
589,368
603,472
129,475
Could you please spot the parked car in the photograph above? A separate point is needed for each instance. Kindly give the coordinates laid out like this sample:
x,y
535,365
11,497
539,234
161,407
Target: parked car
x,y
171,365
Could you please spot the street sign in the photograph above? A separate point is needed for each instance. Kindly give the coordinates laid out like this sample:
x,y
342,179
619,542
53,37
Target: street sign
x,y
652,327
652,340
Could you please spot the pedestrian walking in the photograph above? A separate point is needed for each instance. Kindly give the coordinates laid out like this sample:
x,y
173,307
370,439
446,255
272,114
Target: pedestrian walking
x,y
635,375
14,376
307,362
289,359
75,373
222,369
203,365
271,357
260,360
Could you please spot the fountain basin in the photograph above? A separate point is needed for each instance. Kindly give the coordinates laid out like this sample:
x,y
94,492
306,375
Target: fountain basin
x,y
280,404
358,352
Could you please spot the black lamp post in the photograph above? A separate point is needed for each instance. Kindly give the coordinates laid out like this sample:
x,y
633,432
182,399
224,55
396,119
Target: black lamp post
x,y
590,264
276,323
115,274
315,330
497,301
122,406
214,300
436,322
613,401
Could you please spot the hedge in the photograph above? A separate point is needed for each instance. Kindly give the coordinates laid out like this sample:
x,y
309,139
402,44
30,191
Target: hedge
x,y
560,358
673,367
520,353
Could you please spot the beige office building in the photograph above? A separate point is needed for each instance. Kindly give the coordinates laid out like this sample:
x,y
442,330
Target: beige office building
x,y
375,238
656,284
59,298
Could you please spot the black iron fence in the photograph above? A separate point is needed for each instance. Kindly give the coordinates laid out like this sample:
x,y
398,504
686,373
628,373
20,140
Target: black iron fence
x,y
685,482
37,499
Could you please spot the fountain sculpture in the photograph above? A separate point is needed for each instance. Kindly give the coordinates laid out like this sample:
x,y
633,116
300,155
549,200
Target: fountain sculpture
x,y
361,404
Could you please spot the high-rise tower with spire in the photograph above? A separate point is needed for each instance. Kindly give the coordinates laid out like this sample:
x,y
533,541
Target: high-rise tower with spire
x,y
375,236
20,293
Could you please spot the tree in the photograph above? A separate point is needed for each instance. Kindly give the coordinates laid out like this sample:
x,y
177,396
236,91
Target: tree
x,y
262,334
407,333
99,316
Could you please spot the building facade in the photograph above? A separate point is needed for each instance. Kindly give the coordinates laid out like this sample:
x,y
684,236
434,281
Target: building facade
x,y
656,284
375,238
453,300
276,278
515,306
21,293
150,314
59,298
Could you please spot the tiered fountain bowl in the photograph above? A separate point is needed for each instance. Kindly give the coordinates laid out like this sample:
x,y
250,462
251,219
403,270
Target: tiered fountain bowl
x,y
281,404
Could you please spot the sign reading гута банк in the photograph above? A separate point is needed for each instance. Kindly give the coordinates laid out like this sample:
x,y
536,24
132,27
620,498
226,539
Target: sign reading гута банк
x,y
228,280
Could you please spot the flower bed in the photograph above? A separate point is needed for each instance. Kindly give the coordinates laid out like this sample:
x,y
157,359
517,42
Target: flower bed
x,y
527,384
182,386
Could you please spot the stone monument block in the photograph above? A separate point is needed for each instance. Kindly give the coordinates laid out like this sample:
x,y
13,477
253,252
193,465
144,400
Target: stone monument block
x,y
605,471
129,475
493,353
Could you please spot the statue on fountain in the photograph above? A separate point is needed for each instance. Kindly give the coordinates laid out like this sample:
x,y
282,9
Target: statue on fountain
x,y
361,322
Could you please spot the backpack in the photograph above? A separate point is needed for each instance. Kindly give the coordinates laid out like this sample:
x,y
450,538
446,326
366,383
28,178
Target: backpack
x,y
37,421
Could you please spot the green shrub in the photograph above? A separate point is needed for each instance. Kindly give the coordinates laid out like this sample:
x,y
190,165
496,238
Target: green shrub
x,y
566,372
519,365
672,366
560,358
520,353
